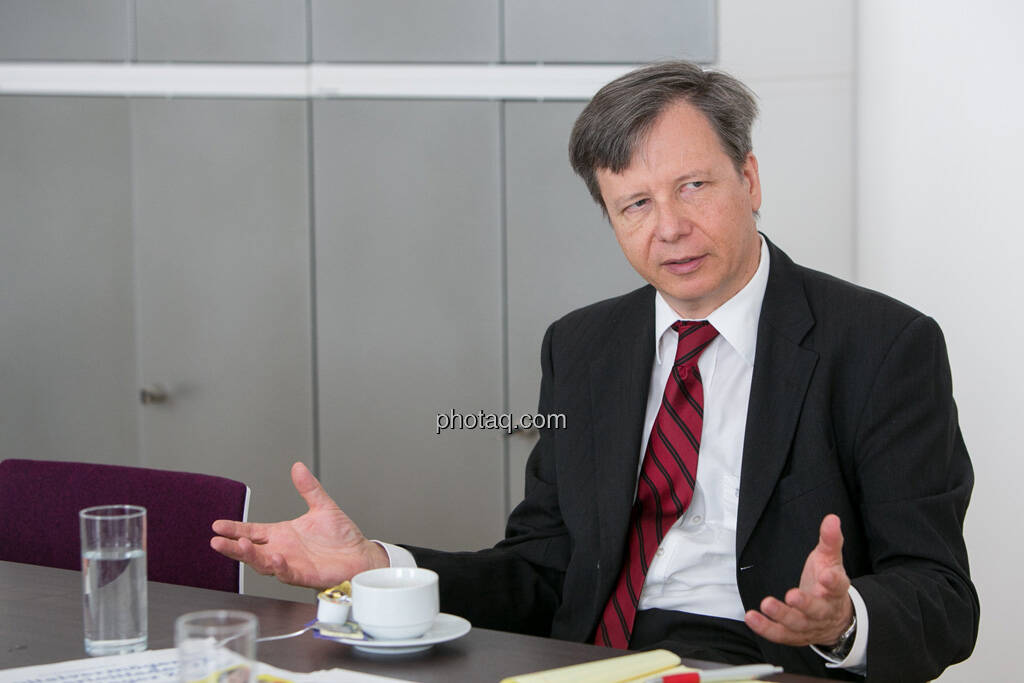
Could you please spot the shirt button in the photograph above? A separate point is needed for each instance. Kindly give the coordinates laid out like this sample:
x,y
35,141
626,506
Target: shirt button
x,y
697,519
659,552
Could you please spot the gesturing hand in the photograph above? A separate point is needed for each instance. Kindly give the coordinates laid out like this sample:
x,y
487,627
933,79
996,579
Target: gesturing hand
x,y
820,609
321,548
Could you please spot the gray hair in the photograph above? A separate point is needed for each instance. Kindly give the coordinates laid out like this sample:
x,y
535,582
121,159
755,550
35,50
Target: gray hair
x,y
618,119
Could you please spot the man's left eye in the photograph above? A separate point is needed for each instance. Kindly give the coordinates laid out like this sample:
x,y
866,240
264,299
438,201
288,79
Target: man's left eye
x,y
695,184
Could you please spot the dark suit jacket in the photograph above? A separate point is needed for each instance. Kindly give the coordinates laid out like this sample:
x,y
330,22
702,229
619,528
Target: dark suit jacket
x,y
851,412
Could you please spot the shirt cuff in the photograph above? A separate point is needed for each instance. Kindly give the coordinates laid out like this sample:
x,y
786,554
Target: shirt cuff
x,y
400,557
857,659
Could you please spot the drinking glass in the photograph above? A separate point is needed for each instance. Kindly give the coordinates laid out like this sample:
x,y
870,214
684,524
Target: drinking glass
x,y
114,578
216,645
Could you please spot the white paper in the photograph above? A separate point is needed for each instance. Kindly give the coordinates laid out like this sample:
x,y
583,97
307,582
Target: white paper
x,y
156,666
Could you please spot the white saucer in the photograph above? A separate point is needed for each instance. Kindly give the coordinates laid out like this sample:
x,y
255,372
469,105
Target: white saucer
x,y
446,627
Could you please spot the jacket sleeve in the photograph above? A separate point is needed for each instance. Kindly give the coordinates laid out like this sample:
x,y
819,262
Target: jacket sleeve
x,y
915,480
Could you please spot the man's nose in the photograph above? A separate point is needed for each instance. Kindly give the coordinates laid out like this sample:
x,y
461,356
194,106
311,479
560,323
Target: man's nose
x,y
671,223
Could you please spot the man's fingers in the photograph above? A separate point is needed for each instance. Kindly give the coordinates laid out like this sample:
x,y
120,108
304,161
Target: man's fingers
x,y
830,584
812,612
309,488
226,546
770,630
781,613
835,582
813,608
227,528
783,624
242,550
262,562
830,537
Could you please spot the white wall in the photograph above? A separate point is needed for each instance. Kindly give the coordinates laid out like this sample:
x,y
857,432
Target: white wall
x,y
939,153
798,57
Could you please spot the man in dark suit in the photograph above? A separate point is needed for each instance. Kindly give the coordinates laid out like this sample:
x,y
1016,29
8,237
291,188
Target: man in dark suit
x,y
822,529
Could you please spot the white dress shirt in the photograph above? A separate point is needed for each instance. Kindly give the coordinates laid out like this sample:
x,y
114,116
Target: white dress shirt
x,y
694,568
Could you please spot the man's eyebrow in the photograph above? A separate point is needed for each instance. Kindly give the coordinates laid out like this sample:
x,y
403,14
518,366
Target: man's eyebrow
x,y
690,175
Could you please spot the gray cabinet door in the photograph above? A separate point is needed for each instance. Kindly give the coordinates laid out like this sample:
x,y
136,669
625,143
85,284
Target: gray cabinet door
x,y
405,31
68,359
609,30
221,31
90,30
562,253
409,303
223,307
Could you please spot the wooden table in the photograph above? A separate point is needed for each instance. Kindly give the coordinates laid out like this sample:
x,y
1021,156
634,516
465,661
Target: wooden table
x,y
41,622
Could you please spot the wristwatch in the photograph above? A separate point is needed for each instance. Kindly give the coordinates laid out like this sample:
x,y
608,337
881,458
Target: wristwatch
x,y
842,648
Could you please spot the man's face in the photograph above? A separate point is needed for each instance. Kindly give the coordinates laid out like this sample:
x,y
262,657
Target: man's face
x,y
683,215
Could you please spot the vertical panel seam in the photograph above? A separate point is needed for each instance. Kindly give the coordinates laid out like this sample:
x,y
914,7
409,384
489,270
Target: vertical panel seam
x,y
501,37
314,333
138,409
309,31
503,230
132,29
313,319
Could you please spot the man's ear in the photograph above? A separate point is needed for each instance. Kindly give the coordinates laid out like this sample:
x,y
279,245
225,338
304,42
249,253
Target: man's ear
x,y
753,179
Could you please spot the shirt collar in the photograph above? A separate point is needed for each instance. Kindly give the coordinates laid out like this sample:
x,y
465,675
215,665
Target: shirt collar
x,y
736,320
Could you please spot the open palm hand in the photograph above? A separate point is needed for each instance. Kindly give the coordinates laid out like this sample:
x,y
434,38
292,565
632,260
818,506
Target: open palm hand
x,y
318,549
820,609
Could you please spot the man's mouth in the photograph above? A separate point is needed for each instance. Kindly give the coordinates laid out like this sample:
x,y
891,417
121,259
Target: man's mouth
x,y
685,265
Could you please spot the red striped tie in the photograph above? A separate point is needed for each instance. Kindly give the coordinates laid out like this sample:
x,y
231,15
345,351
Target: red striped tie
x,y
667,479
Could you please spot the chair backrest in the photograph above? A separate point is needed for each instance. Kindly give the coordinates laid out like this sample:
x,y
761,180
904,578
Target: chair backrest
x,y
40,500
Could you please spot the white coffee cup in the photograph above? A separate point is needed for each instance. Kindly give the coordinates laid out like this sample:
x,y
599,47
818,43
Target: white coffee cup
x,y
395,602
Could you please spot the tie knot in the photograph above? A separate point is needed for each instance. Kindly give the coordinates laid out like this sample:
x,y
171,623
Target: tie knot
x,y
694,337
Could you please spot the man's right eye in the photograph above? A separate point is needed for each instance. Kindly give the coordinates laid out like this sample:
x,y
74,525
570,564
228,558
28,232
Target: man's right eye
x,y
637,204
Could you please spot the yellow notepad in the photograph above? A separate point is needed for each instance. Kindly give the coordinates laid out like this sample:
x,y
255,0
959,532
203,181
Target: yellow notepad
x,y
615,670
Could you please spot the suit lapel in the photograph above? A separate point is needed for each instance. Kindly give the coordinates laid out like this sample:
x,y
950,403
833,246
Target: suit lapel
x,y
620,375
782,373
619,379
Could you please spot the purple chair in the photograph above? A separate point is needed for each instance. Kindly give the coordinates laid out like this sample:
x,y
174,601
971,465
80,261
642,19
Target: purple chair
x,y
40,500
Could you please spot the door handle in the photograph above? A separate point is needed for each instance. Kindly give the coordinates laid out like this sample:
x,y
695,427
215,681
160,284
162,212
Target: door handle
x,y
153,395
520,431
